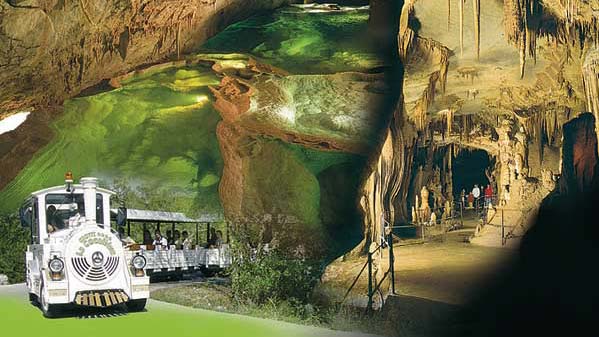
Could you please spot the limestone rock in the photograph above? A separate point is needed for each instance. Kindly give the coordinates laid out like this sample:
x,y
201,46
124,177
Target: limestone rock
x,y
51,50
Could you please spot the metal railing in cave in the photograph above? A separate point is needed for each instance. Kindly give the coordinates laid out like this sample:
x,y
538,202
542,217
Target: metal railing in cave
x,y
386,242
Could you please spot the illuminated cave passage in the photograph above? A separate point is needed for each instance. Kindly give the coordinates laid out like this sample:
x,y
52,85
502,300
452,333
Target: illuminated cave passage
x,y
445,170
468,169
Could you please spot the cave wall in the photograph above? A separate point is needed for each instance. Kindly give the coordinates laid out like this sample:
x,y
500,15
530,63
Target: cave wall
x,y
52,49
580,163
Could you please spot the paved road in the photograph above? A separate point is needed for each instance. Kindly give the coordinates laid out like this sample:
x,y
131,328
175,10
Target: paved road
x,y
160,319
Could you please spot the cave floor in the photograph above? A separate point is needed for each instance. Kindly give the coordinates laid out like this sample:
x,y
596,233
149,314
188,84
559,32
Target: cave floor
x,y
447,271
436,279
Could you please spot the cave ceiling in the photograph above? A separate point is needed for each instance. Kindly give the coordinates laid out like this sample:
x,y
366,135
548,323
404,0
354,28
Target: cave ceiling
x,y
497,59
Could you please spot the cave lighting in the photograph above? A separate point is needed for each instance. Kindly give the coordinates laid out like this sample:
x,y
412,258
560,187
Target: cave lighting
x,y
202,99
12,122
288,114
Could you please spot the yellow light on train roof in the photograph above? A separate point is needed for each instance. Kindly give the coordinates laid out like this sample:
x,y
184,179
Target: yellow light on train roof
x,y
68,175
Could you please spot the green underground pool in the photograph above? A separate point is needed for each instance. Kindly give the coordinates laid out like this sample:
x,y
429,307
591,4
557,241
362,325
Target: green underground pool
x,y
158,131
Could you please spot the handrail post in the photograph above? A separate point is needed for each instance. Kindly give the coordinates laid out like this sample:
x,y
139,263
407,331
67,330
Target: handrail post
x,y
392,262
502,229
369,281
462,213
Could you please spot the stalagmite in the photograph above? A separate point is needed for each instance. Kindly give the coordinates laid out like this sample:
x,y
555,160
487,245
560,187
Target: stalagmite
x,y
476,12
461,9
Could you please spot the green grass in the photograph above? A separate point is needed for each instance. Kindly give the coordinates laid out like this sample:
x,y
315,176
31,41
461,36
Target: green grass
x,y
22,319
218,297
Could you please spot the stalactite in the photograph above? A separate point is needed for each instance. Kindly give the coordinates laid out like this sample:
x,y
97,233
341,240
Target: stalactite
x,y
521,22
448,14
449,121
539,135
461,9
590,76
178,40
476,12
522,50
407,36
421,108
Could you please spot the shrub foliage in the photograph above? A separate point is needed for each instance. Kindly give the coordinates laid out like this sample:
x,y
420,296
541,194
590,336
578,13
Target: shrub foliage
x,y
262,273
13,244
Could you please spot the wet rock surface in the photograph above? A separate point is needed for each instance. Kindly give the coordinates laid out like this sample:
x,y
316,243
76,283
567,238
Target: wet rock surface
x,y
53,49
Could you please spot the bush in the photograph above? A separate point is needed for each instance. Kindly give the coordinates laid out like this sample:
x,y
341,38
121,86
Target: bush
x,y
13,244
273,277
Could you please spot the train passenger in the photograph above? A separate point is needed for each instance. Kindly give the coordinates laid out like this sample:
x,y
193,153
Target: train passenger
x,y
219,238
177,237
186,240
55,222
213,238
159,240
169,237
147,240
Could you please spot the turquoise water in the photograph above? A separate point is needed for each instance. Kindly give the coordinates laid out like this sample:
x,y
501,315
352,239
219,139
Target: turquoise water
x,y
301,42
157,132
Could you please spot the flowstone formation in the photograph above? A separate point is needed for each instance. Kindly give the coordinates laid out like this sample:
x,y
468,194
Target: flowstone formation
x,y
268,116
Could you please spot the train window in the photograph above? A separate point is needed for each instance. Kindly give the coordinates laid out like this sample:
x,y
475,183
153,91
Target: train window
x,y
35,228
99,209
28,216
60,207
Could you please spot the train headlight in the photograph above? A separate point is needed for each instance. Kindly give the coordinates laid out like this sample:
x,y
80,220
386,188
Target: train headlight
x,y
56,265
138,262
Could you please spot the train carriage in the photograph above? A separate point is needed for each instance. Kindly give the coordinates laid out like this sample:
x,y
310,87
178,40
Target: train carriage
x,y
176,259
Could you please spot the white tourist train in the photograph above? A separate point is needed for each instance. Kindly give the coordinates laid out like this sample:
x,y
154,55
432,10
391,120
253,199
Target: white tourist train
x,y
76,257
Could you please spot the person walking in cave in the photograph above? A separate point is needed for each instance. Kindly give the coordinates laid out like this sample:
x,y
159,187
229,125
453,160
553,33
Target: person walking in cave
x,y
463,198
488,196
476,194
470,200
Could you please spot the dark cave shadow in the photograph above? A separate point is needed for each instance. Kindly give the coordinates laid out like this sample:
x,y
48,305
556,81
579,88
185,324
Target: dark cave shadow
x,y
416,316
553,284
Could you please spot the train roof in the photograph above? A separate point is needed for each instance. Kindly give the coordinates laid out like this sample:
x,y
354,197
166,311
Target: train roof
x,y
140,215
77,188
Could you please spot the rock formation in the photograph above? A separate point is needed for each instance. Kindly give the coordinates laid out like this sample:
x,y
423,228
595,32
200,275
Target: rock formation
x,y
51,50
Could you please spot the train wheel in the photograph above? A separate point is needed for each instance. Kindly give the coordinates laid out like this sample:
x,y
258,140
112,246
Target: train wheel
x,y
32,298
49,310
208,272
136,305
